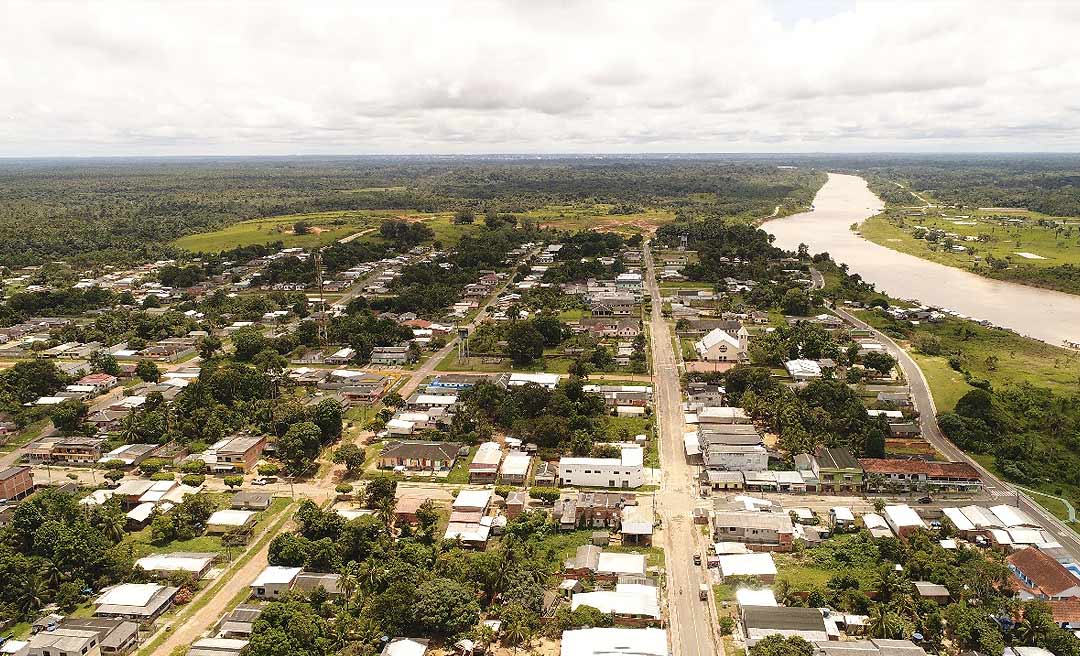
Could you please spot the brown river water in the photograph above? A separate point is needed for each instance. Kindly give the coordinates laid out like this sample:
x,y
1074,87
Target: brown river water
x,y
845,199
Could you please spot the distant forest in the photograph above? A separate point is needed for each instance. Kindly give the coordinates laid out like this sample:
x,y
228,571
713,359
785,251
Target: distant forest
x,y
123,211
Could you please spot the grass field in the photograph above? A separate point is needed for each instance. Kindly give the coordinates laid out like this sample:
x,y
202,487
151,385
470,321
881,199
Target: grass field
x,y
546,364
1052,241
946,384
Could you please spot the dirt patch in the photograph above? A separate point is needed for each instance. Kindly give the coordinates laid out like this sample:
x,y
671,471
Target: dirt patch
x,y
706,367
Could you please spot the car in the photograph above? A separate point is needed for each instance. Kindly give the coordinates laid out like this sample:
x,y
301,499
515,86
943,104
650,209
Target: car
x,y
264,480
926,499
697,559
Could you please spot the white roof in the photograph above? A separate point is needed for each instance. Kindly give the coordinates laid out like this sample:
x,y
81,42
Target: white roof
x,y
141,512
547,380
947,544
610,641
636,520
762,597
187,562
842,513
620,563
435,399
516,463
230,518
129,594
714,337
749,564
874,520
626,599
722,548
467,531
632,456
96,498
691,444
473,499
803,368
631,410
157,491
1011,517
401,424
959,519
275,575
903,515
352,513
405,647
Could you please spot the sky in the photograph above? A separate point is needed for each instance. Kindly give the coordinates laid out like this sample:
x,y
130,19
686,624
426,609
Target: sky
x,y
536,76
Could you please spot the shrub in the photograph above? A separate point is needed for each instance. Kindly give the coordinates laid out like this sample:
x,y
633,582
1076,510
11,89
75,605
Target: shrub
x,y
268,469
194,480
344,488
545,494
162,476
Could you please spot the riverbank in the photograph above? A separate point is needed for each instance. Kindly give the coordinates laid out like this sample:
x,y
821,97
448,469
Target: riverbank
x,y
1050,316
1044,255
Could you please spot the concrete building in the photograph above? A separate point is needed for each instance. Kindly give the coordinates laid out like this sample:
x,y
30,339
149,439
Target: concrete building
x,y
720,346
837,471
627,471
138,602
903,520
16,482
761,530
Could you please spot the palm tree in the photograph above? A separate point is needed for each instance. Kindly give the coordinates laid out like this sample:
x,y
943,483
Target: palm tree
x,y
883,623
31,595
113,524
350,579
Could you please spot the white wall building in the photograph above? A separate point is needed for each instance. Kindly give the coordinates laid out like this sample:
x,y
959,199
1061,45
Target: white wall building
x,y
626,471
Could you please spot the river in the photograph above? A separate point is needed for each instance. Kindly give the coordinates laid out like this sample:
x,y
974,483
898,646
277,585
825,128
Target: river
x,y
845,199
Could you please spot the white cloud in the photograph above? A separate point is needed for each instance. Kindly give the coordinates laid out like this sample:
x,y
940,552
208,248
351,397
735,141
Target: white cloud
x,y
233,77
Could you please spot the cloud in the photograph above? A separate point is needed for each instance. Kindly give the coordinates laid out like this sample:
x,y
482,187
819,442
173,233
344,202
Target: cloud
x,y
250,77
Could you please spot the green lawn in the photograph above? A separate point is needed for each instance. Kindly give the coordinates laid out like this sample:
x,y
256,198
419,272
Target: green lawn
x,y
546,364
597,216
459,475
330,226
25,436
946,384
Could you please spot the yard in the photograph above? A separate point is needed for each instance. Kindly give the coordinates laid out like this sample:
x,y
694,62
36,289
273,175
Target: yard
x,y
598,217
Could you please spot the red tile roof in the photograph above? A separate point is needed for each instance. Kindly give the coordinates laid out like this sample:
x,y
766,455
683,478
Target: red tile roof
x,y
1065,610
952,470
1048,575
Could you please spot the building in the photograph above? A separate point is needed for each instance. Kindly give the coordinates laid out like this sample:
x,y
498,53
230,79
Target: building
x,y
591,510
65,642
626,601
515,468
484,467
101,382
720,346
903,520
217,647
762,621
419,456
1039,576
802,370
239,622
227,521
115,636
735,457
613,640
166,563
837,471
406,647
274,581
390,355
613,565
919,475
549,381
932,591
748,565
132,455
250,501
763,531
626,471
138,602
16,483
240,453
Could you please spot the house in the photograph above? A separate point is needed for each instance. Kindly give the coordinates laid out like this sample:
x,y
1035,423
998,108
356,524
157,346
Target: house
x,y
515,468
115,636
75,450
550,381
132,455
802,370
65,642
614,565
274,581
624,327
614,640
762,621
613,305
713,415
760,530
138,602
626,471
100,382
759,566
167,563
1066,613
237,453
308,582
1039,576
390,355
720,346
919,475
636,524
16,482
932,592
838,471
250,501
227,521
721,480
484,467
472,501
903,519
627,601
899,399
342,356
706,394
591,510
419,456
239,622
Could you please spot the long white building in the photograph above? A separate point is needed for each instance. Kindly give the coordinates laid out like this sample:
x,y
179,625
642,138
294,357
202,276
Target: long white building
x,y
626,471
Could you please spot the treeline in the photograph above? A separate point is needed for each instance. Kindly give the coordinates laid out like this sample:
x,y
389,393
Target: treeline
x,y
127,211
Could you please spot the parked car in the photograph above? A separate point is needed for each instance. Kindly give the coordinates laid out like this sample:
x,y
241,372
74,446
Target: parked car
x,y
697,559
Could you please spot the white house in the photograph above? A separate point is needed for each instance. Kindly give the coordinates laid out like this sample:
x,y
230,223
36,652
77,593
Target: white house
x,y
801,370
720,346
626,471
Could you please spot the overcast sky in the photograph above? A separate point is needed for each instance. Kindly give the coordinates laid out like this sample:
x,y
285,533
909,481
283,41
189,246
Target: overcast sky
x,y
314,77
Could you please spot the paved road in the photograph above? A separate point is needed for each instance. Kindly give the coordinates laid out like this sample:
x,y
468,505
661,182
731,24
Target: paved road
x,y
924,402
690,621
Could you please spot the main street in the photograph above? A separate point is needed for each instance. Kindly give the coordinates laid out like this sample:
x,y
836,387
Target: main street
x,y
690,620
